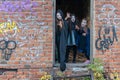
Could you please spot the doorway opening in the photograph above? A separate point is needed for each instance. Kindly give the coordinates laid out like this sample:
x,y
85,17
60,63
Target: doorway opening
x,y
81,10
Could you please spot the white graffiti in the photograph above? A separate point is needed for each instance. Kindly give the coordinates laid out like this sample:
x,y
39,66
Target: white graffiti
x,y
33,52
108,15
32,20
24,26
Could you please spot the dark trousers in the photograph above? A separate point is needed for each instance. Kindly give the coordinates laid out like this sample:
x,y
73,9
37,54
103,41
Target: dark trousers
x,y
57,52
87,53
74,48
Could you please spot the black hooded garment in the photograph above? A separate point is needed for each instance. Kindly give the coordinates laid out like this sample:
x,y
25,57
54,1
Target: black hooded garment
x,y
61,41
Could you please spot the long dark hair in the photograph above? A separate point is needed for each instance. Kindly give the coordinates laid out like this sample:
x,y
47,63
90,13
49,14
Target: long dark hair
x,y
61,13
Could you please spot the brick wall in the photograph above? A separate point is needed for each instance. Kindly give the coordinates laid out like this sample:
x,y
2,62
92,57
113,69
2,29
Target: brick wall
x,y
27,24
26,34
107,15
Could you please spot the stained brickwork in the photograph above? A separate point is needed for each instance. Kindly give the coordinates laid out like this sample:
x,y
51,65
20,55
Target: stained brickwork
x,y
26,37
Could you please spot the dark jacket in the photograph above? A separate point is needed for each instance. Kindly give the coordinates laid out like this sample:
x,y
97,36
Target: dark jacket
x,y
61,35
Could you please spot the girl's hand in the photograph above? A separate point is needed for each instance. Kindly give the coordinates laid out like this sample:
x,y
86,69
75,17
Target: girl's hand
x,y
60,24
77,27
84,34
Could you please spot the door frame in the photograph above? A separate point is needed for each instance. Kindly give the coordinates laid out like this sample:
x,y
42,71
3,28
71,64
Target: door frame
x,y
92,33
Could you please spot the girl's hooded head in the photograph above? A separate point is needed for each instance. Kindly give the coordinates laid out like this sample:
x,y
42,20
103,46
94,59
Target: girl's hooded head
x,y
59,15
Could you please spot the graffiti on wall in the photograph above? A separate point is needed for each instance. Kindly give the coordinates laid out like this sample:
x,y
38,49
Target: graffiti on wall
x,y
108,16
27,34
25,27
7,48
8,26
17,6
107,31
105,40
29,31
30,28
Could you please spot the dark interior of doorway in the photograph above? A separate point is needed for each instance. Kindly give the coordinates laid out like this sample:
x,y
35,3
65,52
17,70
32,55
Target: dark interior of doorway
x,y
81,8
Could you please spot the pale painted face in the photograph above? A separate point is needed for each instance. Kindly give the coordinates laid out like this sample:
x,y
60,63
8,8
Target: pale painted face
x,y
59,16
83,23
73,18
